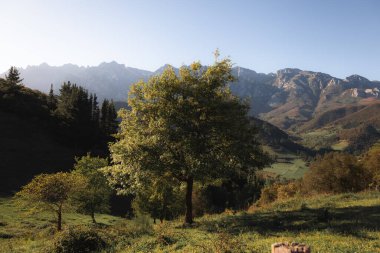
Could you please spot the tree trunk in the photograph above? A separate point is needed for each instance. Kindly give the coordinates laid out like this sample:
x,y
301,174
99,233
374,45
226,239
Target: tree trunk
x,y
189,201
93,217
59,218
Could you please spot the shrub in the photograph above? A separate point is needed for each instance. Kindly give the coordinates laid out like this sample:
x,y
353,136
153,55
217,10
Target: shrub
x,y
78,240
289,190
268,195
335,173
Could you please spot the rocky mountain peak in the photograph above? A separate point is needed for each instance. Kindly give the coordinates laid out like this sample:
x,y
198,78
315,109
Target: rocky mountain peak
x,y
357,78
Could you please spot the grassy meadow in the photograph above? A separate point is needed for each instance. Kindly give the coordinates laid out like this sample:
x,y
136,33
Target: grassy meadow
x,y
328,223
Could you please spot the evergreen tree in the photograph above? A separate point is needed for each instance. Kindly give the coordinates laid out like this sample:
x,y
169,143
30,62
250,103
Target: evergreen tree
x,y
108,122
52,100
13,77
104,116
74,108
112,118
95,110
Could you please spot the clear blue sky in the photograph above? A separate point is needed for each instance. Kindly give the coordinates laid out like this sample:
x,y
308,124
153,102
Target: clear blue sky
x,y
338,37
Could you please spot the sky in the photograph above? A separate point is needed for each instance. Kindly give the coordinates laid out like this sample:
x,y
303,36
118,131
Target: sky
x,y
339,37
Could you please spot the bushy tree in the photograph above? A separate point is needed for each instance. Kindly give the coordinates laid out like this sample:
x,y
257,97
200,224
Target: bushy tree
x,y
334,173
95,195
50,192
371,164
187,126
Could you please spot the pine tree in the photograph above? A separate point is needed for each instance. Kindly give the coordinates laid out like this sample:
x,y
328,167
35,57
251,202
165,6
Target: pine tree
x,y
52,100
104,117
95,110
13,77
111,118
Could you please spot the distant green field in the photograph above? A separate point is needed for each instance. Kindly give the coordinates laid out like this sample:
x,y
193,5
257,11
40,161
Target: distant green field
x,y
287,165
328,223
291,169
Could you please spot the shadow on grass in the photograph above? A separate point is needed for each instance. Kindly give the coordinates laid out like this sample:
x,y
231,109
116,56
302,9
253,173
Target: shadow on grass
x,y
347,221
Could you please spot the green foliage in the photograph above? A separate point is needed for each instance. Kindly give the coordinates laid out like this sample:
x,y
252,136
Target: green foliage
x,y
371,164
75,240
95,195
161,199
189,127
335,173
279,191
51,192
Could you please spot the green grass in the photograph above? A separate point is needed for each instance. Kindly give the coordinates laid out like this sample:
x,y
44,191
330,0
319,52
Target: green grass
x,y
292,169
286,165
350,224
22,231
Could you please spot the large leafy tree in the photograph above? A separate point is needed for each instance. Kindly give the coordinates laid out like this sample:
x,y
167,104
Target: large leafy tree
x,y
188,126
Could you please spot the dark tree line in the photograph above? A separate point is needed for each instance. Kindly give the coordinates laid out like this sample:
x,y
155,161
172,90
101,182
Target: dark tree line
x,y
80,118
73,115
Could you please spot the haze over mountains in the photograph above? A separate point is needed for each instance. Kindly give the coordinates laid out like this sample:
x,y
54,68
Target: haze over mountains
x,y
291,99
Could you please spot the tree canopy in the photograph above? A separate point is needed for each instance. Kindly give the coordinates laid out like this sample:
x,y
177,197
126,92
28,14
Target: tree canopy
x,y
50,192
187,126
95,195
335,173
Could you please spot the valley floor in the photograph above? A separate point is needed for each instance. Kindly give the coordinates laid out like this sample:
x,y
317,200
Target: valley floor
x,y
328,223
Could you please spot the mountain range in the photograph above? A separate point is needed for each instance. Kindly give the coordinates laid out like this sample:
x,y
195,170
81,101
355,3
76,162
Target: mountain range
x,y
292,99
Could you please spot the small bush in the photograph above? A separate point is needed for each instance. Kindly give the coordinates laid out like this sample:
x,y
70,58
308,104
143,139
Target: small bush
x,y
278,191
78,240
268,195
289,190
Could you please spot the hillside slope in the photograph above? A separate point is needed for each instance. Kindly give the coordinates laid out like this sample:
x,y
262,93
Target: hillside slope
x,y
289,98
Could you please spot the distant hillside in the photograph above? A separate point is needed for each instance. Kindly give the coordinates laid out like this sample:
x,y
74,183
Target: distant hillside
x,y
108,80
291,99
297,101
